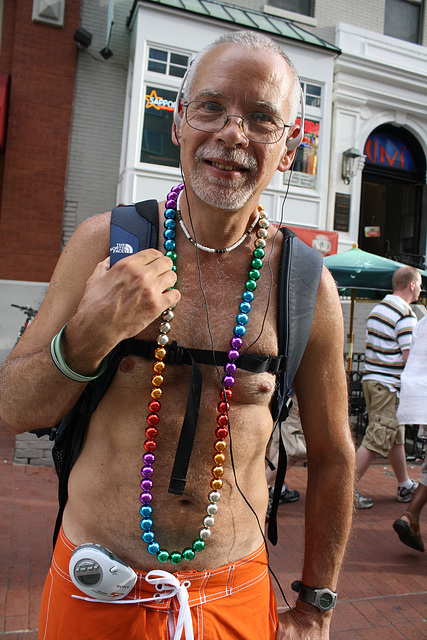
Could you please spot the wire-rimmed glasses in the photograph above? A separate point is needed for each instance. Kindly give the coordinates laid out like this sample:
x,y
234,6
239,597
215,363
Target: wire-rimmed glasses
x,y
258,126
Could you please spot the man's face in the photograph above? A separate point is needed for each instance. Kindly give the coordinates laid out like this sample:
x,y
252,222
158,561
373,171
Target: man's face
x,y
225,169
417,288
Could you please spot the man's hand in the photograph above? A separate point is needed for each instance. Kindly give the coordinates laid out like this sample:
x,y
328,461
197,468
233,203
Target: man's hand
x,y
303,622
119,303
102,306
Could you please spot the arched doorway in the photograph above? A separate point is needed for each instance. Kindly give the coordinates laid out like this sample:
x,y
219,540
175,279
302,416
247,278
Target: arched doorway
x,y
393,220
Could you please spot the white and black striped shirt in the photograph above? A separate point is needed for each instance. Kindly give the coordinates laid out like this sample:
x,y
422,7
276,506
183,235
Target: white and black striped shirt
x,y
388,333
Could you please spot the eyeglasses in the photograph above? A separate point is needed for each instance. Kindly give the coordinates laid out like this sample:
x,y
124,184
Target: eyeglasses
x,y
212,117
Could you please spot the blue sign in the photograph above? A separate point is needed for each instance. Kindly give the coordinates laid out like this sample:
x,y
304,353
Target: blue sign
x,y
387,150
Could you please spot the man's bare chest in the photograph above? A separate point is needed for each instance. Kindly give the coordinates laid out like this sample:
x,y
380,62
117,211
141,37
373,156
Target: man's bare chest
x,y
213,303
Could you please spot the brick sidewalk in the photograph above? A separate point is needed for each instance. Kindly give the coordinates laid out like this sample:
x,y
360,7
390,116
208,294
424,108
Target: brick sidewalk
x,y
382,589
383,583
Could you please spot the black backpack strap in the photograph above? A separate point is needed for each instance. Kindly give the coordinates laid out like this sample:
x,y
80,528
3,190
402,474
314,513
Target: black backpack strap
x,y
177,355
299,279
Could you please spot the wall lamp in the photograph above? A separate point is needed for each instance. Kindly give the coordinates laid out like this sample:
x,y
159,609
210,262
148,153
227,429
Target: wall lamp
x,y
352,161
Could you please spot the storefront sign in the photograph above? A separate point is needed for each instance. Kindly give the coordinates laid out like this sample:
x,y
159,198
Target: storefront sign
x,y
325,242
387,150
372,232
311,131
158,102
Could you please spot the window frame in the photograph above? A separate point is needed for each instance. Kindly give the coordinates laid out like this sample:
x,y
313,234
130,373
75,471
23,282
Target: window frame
x,y
163,82
316,114
419,36
292,12
168,63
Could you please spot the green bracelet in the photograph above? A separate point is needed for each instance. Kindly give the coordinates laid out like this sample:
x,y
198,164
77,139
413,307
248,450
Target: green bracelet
x,y
59,362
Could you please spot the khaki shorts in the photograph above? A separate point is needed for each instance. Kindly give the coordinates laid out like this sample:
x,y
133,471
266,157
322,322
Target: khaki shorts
x,y
383,430
292,436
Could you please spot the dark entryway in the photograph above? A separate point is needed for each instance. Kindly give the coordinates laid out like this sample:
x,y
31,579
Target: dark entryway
x,y
393,216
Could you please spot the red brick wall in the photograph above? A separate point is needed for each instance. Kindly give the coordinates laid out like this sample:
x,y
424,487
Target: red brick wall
x,y
41,61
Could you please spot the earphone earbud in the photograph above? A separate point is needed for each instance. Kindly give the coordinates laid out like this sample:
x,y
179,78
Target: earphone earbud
x,y
176,116
293,143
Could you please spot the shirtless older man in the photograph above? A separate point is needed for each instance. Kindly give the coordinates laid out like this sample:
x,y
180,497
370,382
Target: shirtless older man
x,y
227,582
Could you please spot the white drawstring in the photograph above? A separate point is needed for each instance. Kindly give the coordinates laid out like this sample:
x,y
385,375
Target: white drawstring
x,y
171,586
168,586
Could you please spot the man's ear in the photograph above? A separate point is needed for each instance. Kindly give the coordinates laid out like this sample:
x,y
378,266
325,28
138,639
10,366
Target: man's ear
x,y
286,160
288,155
176,134
177,123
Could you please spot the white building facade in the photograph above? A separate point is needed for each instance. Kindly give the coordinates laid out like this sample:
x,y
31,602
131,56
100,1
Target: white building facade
x,y
163,42
364,93
380,109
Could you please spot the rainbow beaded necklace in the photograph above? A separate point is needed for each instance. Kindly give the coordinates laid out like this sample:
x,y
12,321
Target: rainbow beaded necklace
x,y
154,406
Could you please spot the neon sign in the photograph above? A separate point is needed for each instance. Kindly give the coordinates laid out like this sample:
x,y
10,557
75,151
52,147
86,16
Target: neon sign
x,y
159,103
310,126
387,150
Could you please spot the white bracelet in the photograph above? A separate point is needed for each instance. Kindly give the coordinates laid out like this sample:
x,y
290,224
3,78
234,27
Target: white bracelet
x,y
59,362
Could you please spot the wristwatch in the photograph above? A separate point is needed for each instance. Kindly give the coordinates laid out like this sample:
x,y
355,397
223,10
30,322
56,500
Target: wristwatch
x,y
323,599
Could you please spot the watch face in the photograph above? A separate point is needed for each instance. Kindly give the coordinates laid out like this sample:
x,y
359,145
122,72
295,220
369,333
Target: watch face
x,y
326,600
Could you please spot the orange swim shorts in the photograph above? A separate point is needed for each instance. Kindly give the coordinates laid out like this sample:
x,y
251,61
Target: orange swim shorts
x,y
233,602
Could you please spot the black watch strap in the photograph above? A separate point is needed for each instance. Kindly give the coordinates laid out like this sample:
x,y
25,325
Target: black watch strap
x,y
323,599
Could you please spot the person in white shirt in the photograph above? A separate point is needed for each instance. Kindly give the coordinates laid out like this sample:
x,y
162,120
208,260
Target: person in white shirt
x,y
388,339
413,410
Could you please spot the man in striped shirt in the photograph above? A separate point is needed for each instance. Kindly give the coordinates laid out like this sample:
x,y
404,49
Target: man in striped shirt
x,y
388,340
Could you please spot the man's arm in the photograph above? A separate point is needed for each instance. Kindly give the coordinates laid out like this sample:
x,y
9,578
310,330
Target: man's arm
x,y
102,306
321,388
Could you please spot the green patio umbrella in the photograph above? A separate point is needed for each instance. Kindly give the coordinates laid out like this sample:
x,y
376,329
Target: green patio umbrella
x,y
361,272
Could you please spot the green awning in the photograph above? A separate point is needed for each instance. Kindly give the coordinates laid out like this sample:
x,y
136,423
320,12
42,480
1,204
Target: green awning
x,y
244,18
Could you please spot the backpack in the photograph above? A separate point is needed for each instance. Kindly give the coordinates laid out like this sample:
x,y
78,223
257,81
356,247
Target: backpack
x,y
135,228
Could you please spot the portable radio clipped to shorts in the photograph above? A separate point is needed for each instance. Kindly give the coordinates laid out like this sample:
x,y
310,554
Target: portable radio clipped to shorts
x,y
99,573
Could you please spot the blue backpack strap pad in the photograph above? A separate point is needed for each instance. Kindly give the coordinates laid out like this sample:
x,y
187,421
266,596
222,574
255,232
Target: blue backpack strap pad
x,y
133,228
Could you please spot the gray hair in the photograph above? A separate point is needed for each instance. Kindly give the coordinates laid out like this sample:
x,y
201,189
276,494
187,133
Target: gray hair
x,y
250,40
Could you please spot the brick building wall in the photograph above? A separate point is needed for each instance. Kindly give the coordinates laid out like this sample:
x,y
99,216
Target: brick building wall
x,y
41,61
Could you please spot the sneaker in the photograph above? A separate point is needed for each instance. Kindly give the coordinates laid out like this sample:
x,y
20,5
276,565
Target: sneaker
x,y
361,502
406,495
289,495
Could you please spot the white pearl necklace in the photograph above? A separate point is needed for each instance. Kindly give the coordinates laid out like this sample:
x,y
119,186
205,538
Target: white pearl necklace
x,y
209,249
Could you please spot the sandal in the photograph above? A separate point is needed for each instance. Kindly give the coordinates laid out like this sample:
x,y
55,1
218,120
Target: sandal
x,y
409,534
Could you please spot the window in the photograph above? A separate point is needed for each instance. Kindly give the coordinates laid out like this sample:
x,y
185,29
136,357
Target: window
x,y
167,62
305,165
403,19
157,146
303,7
304,172
312,94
